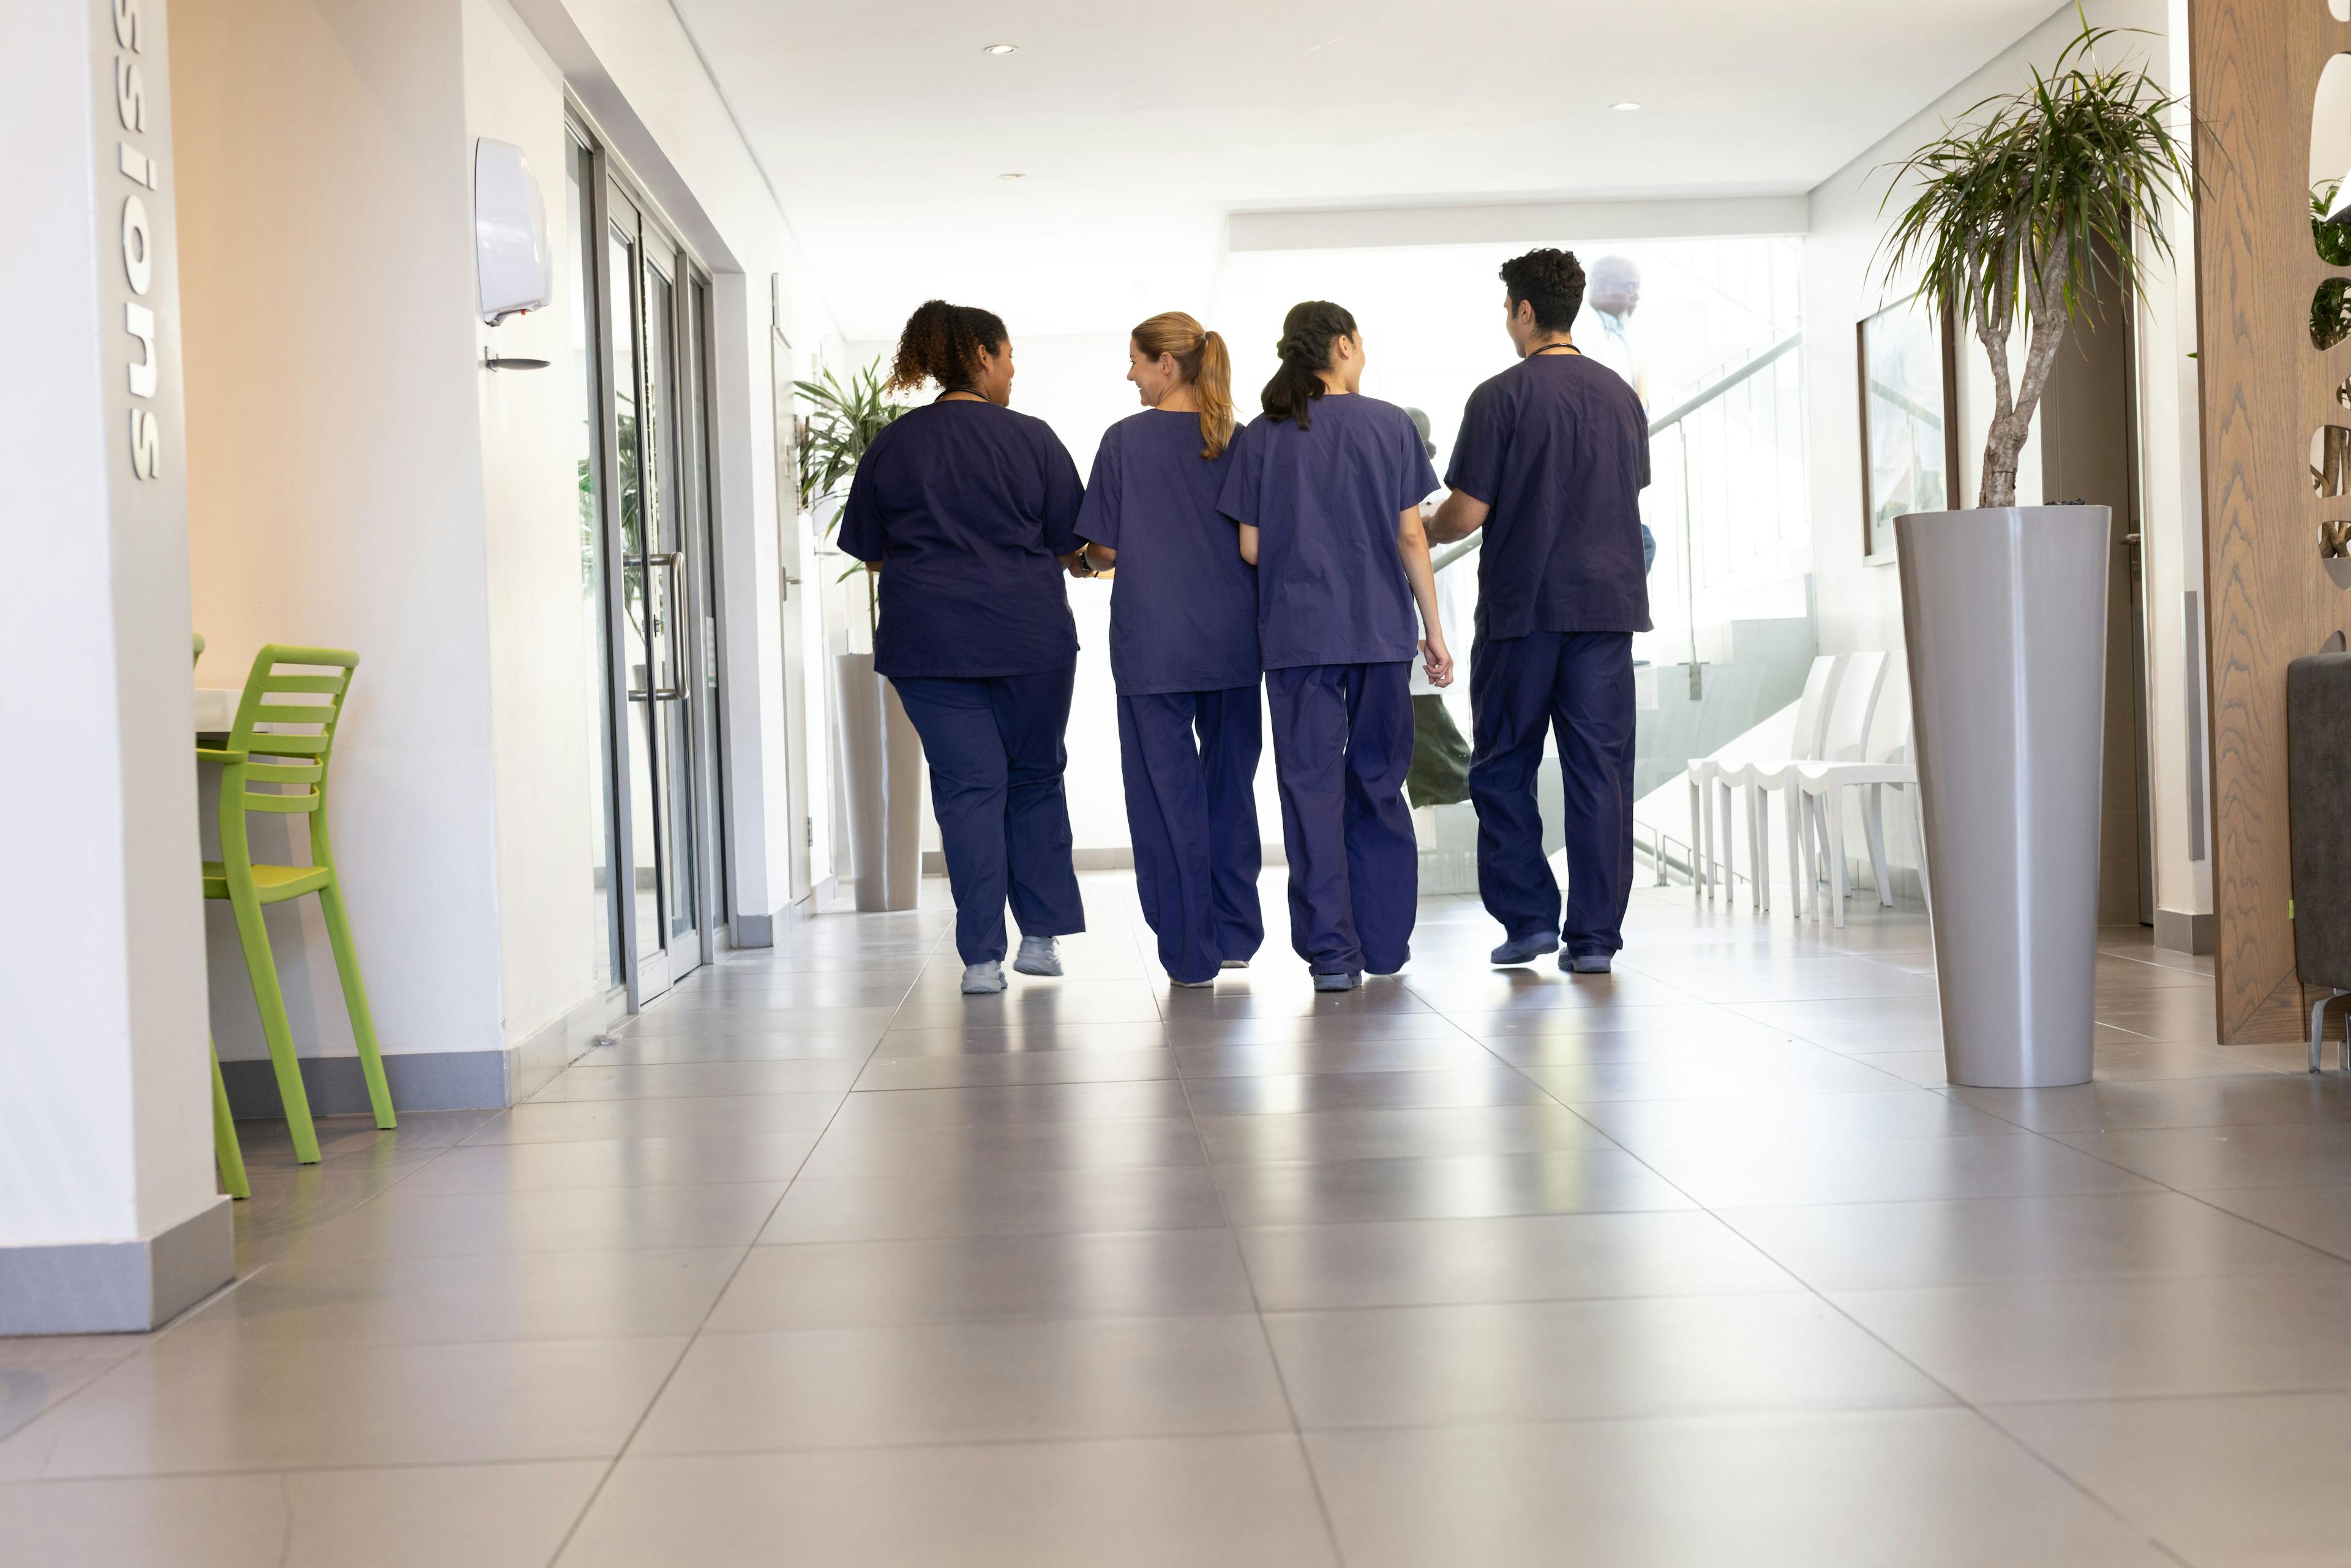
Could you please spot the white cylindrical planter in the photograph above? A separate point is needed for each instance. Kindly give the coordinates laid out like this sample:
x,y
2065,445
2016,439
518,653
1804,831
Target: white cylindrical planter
x,y
2004,612
882,765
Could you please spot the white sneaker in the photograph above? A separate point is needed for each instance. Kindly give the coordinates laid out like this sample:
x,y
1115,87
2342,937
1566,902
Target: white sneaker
x,y
983,979
1038,955
1235,963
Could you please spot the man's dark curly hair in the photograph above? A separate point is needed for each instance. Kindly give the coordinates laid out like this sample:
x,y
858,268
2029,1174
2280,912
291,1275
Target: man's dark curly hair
x,y
1550,280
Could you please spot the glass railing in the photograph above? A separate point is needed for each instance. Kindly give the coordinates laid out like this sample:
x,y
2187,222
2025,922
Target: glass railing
x,y
1729,599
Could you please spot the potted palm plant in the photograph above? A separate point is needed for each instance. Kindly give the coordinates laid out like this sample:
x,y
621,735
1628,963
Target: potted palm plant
x,y
882,757
2036,207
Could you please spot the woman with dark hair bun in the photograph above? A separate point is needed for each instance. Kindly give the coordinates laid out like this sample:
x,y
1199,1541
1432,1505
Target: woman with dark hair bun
x,y
967,511
1327,491
1183,650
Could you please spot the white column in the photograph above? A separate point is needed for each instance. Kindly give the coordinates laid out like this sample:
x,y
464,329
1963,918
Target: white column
x,y
109,1215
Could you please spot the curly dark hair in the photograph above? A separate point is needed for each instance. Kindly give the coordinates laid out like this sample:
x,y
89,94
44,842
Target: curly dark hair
x,y
1552,281
1307,334
942,343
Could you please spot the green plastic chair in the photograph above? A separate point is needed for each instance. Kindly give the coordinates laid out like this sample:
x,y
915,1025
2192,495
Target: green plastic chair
x,y
226,1152
312,704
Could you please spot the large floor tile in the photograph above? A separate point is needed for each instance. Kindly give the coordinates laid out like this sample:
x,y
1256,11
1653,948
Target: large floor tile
x,y
1489,1084
1458,1187
1522,1258
977,1069
1449,1052
617,1162
1001,1037
995,1202
474,1297
1553,1361
484,1516
2122,1338
2296,1153
629,1051
1134,1100
1739,1043
403,1223
1180,1502
187,1408
837,1388
1006,1146
603,1120
28,1386
1380,1134
701,1080
2243,1482
1602,1082
2049,1236
1921,1489
2317,1216
977,1278
1799,1170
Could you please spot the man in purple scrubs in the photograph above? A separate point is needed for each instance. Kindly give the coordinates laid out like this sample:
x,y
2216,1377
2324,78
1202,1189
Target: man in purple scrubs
x,y
1550,461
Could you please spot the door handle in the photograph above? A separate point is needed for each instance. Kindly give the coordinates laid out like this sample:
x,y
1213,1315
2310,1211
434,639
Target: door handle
x,y
659,693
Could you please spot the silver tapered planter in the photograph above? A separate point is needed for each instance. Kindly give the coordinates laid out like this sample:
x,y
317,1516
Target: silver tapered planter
x,y
2004,614
882,766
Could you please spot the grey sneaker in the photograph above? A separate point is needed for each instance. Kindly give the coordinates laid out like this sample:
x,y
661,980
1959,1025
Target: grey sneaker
x,y
1194,985
983,979
1351,980
1038,955
1584,963
1235,963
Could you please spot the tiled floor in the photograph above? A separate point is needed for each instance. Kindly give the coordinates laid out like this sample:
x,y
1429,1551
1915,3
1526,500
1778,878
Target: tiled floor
x,y
824,1263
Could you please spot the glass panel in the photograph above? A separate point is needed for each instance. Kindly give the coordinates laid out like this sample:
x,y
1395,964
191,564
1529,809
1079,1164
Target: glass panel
x,y
644,807
578,267
671,623
705,564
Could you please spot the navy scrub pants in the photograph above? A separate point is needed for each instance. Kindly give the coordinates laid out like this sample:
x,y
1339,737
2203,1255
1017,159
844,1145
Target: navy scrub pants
x,y
1579,684
995,751
1341,747
1190,762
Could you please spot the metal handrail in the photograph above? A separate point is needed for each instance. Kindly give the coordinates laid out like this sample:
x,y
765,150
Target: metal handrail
x,y
1659,425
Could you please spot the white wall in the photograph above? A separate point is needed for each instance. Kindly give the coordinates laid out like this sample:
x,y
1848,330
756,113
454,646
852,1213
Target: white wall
x,y
1859,604
335,483
104,1097
543,704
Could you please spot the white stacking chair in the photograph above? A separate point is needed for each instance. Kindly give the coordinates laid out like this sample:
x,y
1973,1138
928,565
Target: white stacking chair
x,y
1844,735
1826,783
1705,867
1820,684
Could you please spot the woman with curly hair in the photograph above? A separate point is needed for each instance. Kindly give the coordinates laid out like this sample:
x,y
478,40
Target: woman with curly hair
x,y
967,510
1327,491
1183,650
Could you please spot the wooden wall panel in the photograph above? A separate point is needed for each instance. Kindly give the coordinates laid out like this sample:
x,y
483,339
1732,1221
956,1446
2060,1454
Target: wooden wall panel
x,y
2254,67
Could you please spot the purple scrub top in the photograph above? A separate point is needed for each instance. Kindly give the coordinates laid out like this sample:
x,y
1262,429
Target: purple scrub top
x,y
1182,608
1331,588
967,505
1558,446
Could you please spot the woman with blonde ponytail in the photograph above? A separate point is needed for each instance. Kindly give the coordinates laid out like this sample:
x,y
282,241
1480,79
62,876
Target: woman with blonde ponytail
x,y
1183,649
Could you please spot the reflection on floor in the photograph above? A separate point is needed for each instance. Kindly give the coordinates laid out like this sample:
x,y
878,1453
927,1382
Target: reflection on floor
x,y
825,1263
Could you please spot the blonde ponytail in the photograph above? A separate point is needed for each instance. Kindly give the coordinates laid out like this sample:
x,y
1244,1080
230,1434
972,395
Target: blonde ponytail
x,y
1201,360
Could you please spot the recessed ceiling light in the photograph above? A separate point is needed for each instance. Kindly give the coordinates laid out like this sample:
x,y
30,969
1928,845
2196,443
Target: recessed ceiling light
x,y
1627,106
1002,49
1011,176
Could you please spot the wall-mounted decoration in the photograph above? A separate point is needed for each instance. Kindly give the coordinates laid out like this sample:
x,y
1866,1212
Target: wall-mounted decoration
x,y
1909,434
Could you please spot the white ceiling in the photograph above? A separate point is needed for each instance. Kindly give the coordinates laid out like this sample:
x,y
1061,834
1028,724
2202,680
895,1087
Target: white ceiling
x,y
1138,128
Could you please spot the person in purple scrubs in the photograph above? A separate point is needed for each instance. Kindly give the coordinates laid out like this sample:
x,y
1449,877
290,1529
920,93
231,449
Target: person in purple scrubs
x,y
1183,650
1550,461
968,511
1327,490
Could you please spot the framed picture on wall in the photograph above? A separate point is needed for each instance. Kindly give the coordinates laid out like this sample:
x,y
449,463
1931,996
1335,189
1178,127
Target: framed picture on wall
x,y
1910,434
